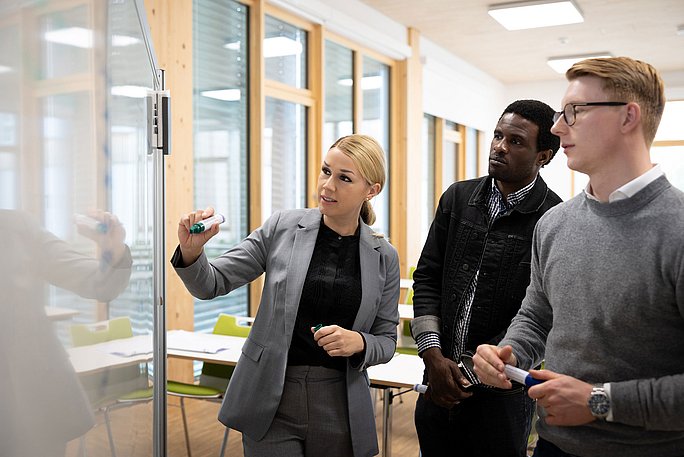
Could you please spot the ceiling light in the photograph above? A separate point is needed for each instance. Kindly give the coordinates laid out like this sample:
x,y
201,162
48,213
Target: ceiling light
x,y
533,14
124,40
72,36
561,64
367,82
279,46
4,69
227,95
130,91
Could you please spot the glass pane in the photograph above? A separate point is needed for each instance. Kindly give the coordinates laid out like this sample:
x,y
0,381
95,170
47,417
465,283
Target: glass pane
x,y
339,96
450,149
427,181
75,225
285,53
220,135
10,106
375,86
283,157
471,152
66,37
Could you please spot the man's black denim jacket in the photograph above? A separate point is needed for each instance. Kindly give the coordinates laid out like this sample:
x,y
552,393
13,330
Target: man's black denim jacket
x,y
460,243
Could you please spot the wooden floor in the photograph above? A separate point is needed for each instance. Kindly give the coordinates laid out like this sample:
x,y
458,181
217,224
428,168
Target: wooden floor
x,y
132,431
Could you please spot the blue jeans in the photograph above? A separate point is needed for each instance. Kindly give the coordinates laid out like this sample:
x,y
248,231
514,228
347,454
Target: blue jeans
x,y
488,424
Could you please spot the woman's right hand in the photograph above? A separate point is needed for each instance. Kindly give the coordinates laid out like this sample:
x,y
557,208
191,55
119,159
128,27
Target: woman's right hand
x,y
191,245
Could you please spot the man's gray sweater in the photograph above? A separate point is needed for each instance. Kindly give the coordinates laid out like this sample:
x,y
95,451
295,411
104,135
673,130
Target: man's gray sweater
x,y
606,304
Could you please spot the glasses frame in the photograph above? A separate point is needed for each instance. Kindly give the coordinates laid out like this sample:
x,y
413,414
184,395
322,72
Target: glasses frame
x,y
557,115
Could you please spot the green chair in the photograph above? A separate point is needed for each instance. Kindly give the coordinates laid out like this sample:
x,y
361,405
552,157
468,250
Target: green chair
x,y
213,379
113,388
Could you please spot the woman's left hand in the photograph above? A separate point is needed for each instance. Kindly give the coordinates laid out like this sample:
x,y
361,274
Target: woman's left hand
x,y
337,341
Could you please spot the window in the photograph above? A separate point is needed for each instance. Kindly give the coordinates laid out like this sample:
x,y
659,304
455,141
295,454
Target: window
x,y
376,120
451,154
427,181
284,143
220,106
339,95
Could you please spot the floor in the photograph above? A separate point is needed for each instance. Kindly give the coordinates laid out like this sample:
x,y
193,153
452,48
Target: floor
x,y
131,428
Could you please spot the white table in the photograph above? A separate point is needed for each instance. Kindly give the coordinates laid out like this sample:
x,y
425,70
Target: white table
x,y
403,371
405,283
405,311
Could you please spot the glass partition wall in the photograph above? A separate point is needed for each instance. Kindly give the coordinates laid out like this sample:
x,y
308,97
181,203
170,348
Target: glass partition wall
x,y
76,216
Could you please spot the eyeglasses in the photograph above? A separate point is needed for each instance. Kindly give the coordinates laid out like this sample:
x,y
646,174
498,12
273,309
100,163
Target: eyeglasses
x,y
570,115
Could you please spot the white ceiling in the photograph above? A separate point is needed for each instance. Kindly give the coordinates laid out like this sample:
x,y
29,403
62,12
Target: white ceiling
x,y
642,29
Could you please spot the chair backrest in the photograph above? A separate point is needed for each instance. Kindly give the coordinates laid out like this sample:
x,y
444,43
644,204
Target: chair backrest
x,y
103,387
100,332
216,375
409,294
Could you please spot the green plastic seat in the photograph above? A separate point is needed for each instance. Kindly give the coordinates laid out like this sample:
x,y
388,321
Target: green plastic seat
x,y
213,379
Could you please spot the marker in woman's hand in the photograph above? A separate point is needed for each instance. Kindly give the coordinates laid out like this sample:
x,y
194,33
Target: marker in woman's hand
x,y
207,223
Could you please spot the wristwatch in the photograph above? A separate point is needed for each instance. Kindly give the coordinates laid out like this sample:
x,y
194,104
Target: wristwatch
x,y
599,403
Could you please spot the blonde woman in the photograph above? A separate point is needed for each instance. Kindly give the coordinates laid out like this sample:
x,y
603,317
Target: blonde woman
x,y
328,311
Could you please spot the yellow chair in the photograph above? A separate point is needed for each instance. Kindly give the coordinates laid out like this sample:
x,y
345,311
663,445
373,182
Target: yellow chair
x,y
213,378
117,387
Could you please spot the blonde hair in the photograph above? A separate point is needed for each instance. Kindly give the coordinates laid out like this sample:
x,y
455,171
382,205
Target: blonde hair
x,y
628,80
369,158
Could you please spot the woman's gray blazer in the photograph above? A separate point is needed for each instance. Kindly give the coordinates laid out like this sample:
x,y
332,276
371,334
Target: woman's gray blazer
x,y
282,248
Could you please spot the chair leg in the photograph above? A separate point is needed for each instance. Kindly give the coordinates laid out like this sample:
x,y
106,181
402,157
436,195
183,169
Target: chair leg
x,y
224,443
185,426
109,432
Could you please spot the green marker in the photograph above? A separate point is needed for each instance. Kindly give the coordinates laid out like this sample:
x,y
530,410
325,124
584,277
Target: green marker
x,y
206,224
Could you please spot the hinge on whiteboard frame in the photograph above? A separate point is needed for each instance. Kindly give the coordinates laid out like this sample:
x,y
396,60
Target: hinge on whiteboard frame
x,y
159,118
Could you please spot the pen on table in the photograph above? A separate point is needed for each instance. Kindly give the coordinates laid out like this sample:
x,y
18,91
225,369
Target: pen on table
x,y
521,376
207,223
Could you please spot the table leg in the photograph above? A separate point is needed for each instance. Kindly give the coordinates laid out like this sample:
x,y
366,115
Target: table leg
x,y
387,398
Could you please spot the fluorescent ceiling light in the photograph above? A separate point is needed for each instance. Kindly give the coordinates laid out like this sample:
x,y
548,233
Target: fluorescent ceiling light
x,y
121,41
130,91
279,46
367,82
561,64
5,69
72,36
228,95
533,14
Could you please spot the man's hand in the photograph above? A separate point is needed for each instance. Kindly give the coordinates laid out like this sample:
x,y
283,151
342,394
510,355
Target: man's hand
x,y
564,398
489,364
446,380
337,341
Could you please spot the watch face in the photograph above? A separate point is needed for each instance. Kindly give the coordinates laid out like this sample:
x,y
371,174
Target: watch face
x,y
599,403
